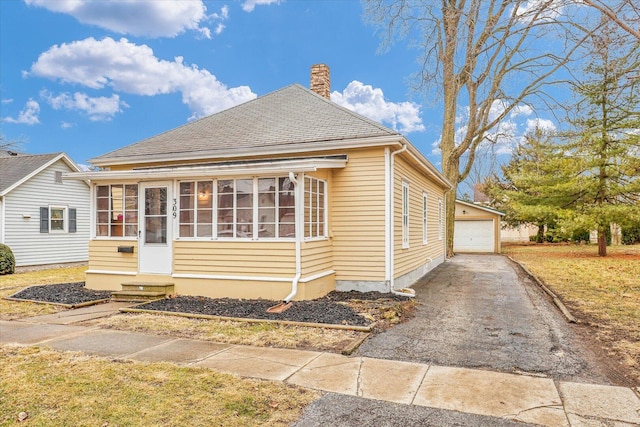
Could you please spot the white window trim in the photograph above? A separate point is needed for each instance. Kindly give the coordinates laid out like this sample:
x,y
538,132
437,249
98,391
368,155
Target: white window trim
x,y
425,218
65,219
94,211
406,208
440,219
315,204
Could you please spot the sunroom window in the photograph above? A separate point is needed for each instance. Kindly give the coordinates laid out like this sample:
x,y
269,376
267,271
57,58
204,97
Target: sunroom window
x,y
117,210
253,208
314,207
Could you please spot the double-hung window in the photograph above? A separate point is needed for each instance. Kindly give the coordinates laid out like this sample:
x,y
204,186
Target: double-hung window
x,y
117,210
425,204
440,219
405,214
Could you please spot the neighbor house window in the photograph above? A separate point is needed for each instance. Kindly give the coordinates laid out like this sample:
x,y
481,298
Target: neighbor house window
x,y
253,208
425,204
57,219
117,210
314,207
405,214
440,219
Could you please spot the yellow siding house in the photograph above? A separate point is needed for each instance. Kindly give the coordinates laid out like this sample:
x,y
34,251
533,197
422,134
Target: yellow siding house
x,y
288,196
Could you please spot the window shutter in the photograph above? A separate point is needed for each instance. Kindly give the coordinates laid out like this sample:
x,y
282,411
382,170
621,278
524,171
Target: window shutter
x,y
72,220
44,219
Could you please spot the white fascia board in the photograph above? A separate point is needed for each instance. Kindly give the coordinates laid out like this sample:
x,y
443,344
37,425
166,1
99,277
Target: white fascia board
x,y
266,168
302,147
480,207
435,173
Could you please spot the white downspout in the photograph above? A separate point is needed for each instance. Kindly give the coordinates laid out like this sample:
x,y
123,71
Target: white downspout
x,y
392,228
298,228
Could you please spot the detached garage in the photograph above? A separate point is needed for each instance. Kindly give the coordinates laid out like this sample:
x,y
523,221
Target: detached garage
x,y
477,228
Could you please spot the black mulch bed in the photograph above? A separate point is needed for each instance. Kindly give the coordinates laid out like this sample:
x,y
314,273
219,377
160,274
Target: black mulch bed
x,y
66,293
326,310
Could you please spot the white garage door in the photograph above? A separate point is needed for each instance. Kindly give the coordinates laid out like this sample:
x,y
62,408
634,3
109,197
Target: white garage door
x,y
473,236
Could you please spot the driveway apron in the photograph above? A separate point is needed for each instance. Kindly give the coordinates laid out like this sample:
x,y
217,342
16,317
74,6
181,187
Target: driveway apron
x,y
482,311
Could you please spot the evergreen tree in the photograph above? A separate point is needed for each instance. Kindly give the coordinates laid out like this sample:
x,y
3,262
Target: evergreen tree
x,y
538,186
605,142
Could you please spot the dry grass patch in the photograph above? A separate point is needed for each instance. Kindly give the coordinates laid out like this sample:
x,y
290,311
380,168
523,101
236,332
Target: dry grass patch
x,y
12,283
70,389
233,332
601,291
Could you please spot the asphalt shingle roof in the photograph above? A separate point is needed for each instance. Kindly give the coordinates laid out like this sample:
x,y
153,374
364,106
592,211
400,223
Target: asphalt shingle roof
x,y
290,116
16,168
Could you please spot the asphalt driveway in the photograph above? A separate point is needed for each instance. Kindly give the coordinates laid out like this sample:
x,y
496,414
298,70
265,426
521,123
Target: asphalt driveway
x,y
483,311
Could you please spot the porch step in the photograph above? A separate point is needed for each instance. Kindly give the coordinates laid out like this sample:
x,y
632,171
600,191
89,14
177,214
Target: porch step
x,y
136,296
142,291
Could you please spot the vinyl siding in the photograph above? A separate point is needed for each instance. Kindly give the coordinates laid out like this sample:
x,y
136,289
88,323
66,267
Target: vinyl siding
x,y
104,255
317,257
269,259
417,254
356,210
31,247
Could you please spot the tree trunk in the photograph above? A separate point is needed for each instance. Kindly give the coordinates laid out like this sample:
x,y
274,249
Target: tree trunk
x,y
602,241
540,235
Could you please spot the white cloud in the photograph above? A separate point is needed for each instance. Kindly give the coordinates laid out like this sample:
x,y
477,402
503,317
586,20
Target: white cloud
x,y
540,10
98,108
150,18
130,68
66,125
28,115
370,102
538,123
249,5
7,101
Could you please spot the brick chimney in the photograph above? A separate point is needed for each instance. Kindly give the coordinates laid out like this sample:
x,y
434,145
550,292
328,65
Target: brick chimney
x,y
320,80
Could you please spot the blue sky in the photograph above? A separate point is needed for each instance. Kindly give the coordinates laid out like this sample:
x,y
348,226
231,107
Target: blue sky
x,y
87,77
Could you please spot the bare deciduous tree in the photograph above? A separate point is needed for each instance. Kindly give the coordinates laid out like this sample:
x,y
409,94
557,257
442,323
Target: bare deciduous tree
x,y
486,56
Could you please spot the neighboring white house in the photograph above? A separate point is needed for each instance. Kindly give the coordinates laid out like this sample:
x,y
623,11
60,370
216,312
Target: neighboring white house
x,y
43,219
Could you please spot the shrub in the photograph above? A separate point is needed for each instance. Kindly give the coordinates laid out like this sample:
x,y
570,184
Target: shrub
x,y
7,260
631,235
580,236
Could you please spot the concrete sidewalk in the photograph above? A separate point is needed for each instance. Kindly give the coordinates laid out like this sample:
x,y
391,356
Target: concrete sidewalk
x,y
515,397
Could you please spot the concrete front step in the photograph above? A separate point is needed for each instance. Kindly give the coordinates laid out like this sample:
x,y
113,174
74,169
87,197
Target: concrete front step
x,y
142,291
136,296
167,288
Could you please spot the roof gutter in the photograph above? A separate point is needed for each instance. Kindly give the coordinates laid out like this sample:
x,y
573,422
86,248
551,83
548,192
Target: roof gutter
x,y
267,167
302,147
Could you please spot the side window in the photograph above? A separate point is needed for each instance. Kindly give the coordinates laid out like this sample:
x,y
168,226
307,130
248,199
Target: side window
x,y
440,219
405,214
425,219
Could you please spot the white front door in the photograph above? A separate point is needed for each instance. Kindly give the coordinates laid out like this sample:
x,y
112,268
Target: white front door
x,y
155,228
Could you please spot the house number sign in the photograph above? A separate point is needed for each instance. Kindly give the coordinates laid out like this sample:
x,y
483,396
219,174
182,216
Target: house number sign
x,y
174,209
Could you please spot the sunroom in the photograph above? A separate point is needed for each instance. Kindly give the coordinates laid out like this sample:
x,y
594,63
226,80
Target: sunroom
x,y
235,229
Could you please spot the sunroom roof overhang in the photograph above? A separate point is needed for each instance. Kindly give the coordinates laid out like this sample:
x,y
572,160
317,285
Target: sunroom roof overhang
x,y
223,169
